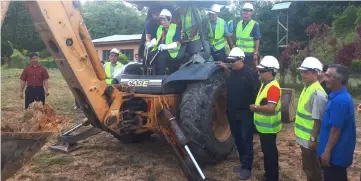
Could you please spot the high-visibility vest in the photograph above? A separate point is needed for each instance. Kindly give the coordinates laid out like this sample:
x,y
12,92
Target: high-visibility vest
x,y
304,122
268,123
110,77
243,36
168,39
217,39
233,21
187,24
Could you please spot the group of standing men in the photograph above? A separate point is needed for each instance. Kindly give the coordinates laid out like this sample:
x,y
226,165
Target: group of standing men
x,y
325,122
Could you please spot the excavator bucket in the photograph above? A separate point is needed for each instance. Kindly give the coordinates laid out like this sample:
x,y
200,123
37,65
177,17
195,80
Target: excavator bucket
x,y
17,148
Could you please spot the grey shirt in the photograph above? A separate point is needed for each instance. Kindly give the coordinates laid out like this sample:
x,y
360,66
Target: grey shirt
x,y
315,105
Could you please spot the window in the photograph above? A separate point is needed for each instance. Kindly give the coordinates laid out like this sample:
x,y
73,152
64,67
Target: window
x,y
129,53
106,54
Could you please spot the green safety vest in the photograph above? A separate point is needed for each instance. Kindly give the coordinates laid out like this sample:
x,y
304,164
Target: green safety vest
x,y
268,123
304,122
168,39
233,21
109,78
217,39
243,36
187,24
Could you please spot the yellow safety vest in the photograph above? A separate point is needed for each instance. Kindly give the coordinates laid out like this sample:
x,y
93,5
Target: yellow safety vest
x,y
168,39
217,39
243,36
304,122
109,78
187,24
268,123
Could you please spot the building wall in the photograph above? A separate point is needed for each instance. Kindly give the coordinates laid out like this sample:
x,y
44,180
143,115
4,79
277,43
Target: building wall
x,y
120,46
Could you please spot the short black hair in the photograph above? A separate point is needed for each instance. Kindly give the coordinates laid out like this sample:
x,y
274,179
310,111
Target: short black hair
x,y
342,73
33,54
325,67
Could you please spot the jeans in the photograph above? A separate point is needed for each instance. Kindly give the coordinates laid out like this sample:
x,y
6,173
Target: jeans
x,y
270,152
311,165
242,131
218,55
335,173
164,61
249,62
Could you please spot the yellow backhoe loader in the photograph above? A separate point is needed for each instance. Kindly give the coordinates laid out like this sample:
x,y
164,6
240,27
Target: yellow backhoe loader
x,y
187,106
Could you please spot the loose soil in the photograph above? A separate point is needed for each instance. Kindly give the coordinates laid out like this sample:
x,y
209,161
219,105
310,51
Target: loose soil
x,y
36,118
102,157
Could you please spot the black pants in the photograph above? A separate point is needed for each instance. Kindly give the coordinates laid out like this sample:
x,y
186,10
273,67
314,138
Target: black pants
x,y
270,152
164,60
335,173
219,55
249,62
242,131
33,94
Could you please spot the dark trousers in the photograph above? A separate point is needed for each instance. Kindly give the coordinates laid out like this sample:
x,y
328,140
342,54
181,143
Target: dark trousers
x,y
164,60
249,62
335,173
242,131
311,165
33,94
218,55
270,153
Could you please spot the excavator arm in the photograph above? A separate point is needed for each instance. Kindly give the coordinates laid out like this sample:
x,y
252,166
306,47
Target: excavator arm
x,y
66,37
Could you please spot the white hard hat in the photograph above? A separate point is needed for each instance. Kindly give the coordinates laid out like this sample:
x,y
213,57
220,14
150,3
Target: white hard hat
x,y
269,62
236,52
248,6
311,63
166,13
215,9
114,50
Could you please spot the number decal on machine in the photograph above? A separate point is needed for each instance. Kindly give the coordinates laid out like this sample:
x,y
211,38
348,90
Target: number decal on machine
x,y
138,83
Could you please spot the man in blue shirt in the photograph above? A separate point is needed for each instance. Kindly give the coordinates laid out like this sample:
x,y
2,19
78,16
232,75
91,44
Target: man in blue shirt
x,y
338,130
216,37
152,24
251,56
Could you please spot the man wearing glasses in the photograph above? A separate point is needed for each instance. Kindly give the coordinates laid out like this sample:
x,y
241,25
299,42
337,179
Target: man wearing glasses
x,y
167,44
242,88
247,34
267,115
310,109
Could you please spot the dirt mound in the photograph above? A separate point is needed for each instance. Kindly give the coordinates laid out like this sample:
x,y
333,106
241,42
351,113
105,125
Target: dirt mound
x,y
37,117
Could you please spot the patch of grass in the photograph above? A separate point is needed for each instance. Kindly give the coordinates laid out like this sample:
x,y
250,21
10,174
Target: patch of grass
x,y
59,161
23,177
150,176
46,161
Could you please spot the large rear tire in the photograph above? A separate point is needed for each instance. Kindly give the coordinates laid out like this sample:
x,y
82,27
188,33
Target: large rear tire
x,y
203,120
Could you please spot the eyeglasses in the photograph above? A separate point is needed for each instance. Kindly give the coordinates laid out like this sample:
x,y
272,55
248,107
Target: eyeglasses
x,y
263,70
233,59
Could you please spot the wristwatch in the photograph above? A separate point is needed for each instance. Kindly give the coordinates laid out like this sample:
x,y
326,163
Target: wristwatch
x,y
255,107
313,138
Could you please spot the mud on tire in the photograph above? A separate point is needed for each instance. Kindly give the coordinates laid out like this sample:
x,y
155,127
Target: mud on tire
x,y
196,116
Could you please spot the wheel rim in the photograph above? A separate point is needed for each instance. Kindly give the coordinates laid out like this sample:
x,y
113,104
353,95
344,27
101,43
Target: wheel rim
x,y
221,129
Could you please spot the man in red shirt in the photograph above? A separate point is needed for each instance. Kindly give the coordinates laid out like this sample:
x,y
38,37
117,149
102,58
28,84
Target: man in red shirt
x,y
35,77
267,115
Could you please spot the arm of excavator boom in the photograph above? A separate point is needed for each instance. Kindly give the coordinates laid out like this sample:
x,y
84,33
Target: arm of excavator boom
x,y
61,27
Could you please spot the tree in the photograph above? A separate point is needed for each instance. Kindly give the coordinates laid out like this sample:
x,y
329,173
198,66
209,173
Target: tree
x,y
19,30
106,18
